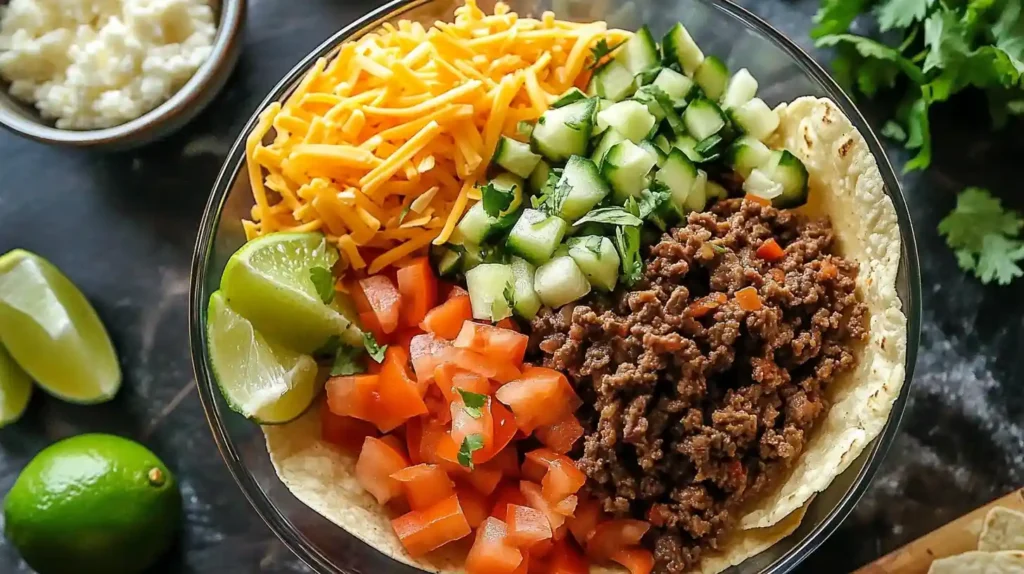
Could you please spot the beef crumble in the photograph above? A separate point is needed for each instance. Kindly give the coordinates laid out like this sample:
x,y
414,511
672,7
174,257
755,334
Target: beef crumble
x,y
694,405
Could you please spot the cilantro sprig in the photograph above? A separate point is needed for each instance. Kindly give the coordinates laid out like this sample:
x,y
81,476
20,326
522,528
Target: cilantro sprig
x,y
323,281
473,402
496,199
470,444
374,349
600,51
985,237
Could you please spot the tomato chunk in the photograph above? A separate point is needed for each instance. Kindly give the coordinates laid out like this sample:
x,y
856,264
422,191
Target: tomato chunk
x,y
475,506
508,323
378,460
425,351
526,526
561,435
418,287
539,397
535,499
611,536
491,552
400,397
636,560
494,342
353,396
446,319
449,377
421,531
536,463
507,493
484,478
424,485
348,433
770,250
384,299
474,362
507,460
584,520
561,480
567,506
564,559
369,322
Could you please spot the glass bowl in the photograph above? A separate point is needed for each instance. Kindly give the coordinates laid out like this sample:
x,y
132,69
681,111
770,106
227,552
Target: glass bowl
x,y
721,28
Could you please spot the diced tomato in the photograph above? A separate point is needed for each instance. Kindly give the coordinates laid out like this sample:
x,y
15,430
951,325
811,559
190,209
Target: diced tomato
x,y
455,291
584,520
400,397
413,439
707,304
418,287
359,299
536,463
424,485
474,505
507,493
748,299
448,377
524,566
353,396
508,323
465,424
437,405
539,397
562,479
369,322
425,351
535,499
526,526
493,342
564,559
503,426
484,478
542,548
757,199
378,460
384,299
611,536
567,506
561,435
829,270
421,531
474,362
432,434
507,461
348,433
491,552
770,250
403,337
637,560
446,319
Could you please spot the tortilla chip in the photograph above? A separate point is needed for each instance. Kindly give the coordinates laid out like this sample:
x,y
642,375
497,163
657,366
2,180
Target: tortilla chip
x,y
1003,530
846,185
1010,562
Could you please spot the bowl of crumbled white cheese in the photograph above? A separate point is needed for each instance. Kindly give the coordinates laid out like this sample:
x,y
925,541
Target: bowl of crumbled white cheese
x,y
113,73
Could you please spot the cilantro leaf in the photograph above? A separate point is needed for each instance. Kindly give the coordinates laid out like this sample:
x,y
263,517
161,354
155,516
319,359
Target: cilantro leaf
x,y
627,240
873,50
472,402
919,136
836,16
375,350
348,361
510,295
894,131
470,444
496,199
652,198
894,14
985,236
323,282
591,243
556,197
601,50
611,216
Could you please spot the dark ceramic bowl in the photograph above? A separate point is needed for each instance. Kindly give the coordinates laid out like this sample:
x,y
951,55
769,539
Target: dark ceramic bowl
x,y
784,72
185,104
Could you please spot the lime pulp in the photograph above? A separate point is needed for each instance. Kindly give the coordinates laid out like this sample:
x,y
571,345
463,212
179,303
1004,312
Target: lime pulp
x,y
15,389
52,331
261,380
268,282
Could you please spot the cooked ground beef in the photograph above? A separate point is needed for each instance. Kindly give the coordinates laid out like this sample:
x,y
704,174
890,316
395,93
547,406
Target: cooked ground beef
x,y
694,405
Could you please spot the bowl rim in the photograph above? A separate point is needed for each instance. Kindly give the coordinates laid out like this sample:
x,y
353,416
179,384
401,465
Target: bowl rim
x,y
180,104
303,548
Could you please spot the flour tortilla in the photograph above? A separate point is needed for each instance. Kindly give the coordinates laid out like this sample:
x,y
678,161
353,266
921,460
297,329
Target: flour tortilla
x,y
1009,562
845,184
1003,530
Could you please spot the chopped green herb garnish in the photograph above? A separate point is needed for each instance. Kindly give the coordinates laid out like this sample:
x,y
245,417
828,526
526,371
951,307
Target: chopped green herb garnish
x,y
323,282
348,361
473,402
627,239
611,216
470,444
653,198
375,350
510,295
600,50
591,243
496,199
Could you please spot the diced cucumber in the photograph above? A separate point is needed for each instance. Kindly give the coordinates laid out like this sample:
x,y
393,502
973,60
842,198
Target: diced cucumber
x,y
755,119
486,284
703,118
630,118
639,53
560,281
742,87
472,256
678,174
788,171
608,139
697,200
760,184
536,236
662,142
626,167
570,96
597,258
564,131
515,156
449,263
709,148
527,302
585,188
680,48
660,106
675,85
539,177
654,151
476,226
715,191
524,128
613,81
688,145
712,76
746,153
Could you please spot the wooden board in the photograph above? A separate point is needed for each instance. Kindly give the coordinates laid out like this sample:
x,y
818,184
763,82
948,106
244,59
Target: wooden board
x,y
958,536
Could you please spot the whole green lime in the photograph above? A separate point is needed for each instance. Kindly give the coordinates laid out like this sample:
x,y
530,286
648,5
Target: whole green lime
x,y
93,503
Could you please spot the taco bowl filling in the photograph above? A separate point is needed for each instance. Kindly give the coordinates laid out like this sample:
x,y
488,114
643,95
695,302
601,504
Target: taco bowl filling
x,y
528,295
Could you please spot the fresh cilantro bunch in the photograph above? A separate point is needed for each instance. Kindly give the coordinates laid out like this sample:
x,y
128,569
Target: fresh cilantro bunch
x,y
931,50
985,237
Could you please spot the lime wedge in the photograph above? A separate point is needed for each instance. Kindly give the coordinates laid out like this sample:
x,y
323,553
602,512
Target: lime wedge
x,y
53,332
15,389
268,282
260,380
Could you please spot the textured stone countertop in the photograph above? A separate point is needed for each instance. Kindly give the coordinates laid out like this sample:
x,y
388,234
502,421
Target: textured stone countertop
x,y
122,226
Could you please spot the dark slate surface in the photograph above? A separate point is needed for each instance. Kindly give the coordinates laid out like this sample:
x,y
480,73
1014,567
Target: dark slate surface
x,y
123,226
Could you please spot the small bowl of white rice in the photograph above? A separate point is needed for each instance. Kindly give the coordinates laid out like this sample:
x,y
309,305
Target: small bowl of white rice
x,y
113,74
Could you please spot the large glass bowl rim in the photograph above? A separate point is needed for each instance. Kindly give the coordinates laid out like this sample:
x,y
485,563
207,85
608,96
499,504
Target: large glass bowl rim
x,y
198,294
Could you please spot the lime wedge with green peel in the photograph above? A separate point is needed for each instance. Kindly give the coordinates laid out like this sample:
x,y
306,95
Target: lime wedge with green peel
x,y
53,332
261,380
15,389
270,282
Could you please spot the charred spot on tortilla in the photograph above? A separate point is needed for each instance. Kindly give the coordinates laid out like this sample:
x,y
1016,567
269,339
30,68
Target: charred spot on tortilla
x,y
845,148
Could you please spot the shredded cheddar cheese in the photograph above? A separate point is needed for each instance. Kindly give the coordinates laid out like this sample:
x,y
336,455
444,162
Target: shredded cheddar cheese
x,y
403,119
